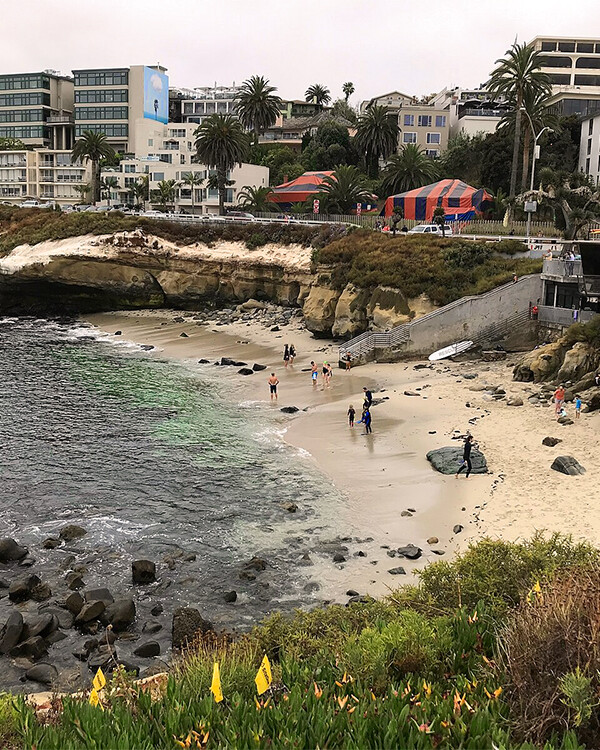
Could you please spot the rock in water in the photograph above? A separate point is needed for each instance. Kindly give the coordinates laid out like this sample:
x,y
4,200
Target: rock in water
x,y
433,540
289,409
120,614
11,632
10,550
245,371
258,368
23,588
74,602
146,650
551,441
45,674
71,532
230,597
567,465
89,612
447,460
143,571
187,624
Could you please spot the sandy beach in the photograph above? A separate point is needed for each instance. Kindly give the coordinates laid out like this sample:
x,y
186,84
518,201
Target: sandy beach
x,y
392,494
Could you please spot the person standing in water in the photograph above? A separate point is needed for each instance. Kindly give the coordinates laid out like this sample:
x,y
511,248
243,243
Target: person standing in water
x,y
351,414
286,355
366,420
273,383
326,375
314,373
466,459
292,354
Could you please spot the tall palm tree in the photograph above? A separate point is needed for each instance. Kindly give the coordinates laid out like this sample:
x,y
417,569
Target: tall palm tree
x,y
348,89
255,198
408,170
141,190
221,143
165,192
318,94
92,147
376,136
83,190
108,184
344,189
516,76
194,180
257,106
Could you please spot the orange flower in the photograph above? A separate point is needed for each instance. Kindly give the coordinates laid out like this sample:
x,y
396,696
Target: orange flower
x,y
318,691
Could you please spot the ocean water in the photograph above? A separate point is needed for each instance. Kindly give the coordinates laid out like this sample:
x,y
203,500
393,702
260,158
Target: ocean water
x,y
156,461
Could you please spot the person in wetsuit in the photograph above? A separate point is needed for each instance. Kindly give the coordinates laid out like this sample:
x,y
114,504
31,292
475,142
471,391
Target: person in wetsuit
x,y
466,459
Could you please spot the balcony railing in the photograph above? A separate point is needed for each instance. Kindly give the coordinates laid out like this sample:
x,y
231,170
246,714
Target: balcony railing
x,y
563,269
60,120
481,113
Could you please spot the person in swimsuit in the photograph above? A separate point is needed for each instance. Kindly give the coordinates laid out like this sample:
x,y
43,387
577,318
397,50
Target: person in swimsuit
x,y
273,383
348,361
466,459
314,373
559,398
351,414
326,375
292,354
286,355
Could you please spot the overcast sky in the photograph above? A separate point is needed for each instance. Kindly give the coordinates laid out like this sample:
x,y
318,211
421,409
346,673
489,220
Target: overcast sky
x,y
414,46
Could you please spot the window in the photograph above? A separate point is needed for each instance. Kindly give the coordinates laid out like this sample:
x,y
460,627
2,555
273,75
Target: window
x,y
210,108
424,121
69,175
587,166
151,141
129,181
199,108
98,97
589,146
101,113
22,115
599,164
591,127
585,47
109,130
583,80
24,100
129,168
566,46
598,49
548,46
409,120
25,132
157,176
177,133
409,138
432,153
588,62
440,121
101,78
560,79
556,62
434,138
8,83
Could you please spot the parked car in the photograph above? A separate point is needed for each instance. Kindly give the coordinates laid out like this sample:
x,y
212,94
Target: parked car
x,y
431,229
30,203
81,207
154,214
241,215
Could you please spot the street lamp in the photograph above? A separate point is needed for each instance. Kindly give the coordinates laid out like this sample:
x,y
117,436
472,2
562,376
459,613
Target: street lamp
x,y
536,155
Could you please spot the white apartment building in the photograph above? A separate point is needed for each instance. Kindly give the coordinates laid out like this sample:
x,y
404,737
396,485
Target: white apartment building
x,y
471,111
166,152
42,173
193,105
589,147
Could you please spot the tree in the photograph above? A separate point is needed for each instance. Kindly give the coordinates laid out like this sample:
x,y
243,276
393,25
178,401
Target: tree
x,y
517,76
376,136
82,190
257,106
194,180
221,144
408,170
256,199
141,190
344,189
462,159
341,108
318,94
12,144
283,164
439,218
165,193
348,89
329,147
107,185
93,147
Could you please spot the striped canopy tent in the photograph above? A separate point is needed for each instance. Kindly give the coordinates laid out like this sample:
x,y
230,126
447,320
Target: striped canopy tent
x,y
298,190
459,200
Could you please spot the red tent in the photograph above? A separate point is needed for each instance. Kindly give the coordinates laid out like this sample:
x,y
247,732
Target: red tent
x,y
459,200
298,190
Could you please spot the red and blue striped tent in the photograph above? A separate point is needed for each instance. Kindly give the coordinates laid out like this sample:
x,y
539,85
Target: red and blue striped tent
x,y
459,200
298,190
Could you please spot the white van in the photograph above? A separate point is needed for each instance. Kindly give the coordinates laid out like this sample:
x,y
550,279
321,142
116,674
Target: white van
x,y
431,229
30,203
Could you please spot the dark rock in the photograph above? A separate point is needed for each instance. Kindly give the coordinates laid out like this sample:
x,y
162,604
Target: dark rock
x,y
147,650
241,364
391,553
74,602
11,632
257,563
179,319
129,666
339,558
41,592
190,557
227,361
399,571
27,562
246,575
51,543
275,329
147,347
406,514
11,551
183,335
567,465
230,597
290,507
100,661
65,618
55,637
410,552
74,580
23,588
157,609
120,614
447,460
118,333
258,368
433,540
187,624
564,420
90,611
410,393
352,592
438,552
33,648
457,529
102,595
289,409
41,625
143,571
151,627
72,531
360,553
245,371
45,674
203,361
551,441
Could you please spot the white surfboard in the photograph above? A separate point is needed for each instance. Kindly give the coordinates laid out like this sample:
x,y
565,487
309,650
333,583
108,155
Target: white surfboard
x,y
449,351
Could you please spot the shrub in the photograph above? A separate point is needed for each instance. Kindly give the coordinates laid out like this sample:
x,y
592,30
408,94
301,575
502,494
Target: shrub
x,y
588,333
510,247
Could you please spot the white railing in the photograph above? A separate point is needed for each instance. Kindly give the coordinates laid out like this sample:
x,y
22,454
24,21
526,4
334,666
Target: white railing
x,y
562,268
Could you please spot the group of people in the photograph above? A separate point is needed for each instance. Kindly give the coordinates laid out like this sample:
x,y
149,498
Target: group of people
x,y
559,403
326,370
289,354
366,412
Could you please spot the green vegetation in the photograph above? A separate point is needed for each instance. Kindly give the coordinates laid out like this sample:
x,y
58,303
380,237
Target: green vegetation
x,y
257,105
318,94
496,649
408,170
376,137
444,269
93,147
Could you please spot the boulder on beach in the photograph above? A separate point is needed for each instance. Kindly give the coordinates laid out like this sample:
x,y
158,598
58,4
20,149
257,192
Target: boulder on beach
x,y
245,371
447,460
411,552
258,368
71,531
399,571
187,624
567,465
120,614
143,571
11,551
89,612
148,649
289,409
23,588
45,674
551,441
11,632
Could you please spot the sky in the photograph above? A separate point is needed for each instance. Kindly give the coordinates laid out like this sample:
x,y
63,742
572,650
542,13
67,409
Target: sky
x,y
414,46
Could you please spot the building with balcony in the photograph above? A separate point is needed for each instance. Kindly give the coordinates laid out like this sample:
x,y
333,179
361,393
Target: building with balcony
x,y
193,105
589,147
37,109
45,174
564,298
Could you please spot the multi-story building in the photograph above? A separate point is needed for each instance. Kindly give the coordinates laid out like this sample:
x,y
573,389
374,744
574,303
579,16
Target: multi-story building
x,y
167,152
394,101
45,174
196,104
589,147
37,109
471,111
573,65
113,100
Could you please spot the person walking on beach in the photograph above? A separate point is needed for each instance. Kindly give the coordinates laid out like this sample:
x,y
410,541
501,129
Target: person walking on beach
x,y
348,361
366,420
292,354
286,355
351,414
577,407
326,374
368,397
559,399
273,383
466,459
314,373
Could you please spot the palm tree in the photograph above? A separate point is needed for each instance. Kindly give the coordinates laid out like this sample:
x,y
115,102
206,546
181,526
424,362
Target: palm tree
x,y
408,170
376,136
82,190
141,191
221,143
165,192
517,76
348,89
255,199
344,189
257,106
108,184
194,180
92,147
318,94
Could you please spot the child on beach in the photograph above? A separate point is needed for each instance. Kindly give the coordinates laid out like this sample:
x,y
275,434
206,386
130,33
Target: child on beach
x,y
577,406
351,414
